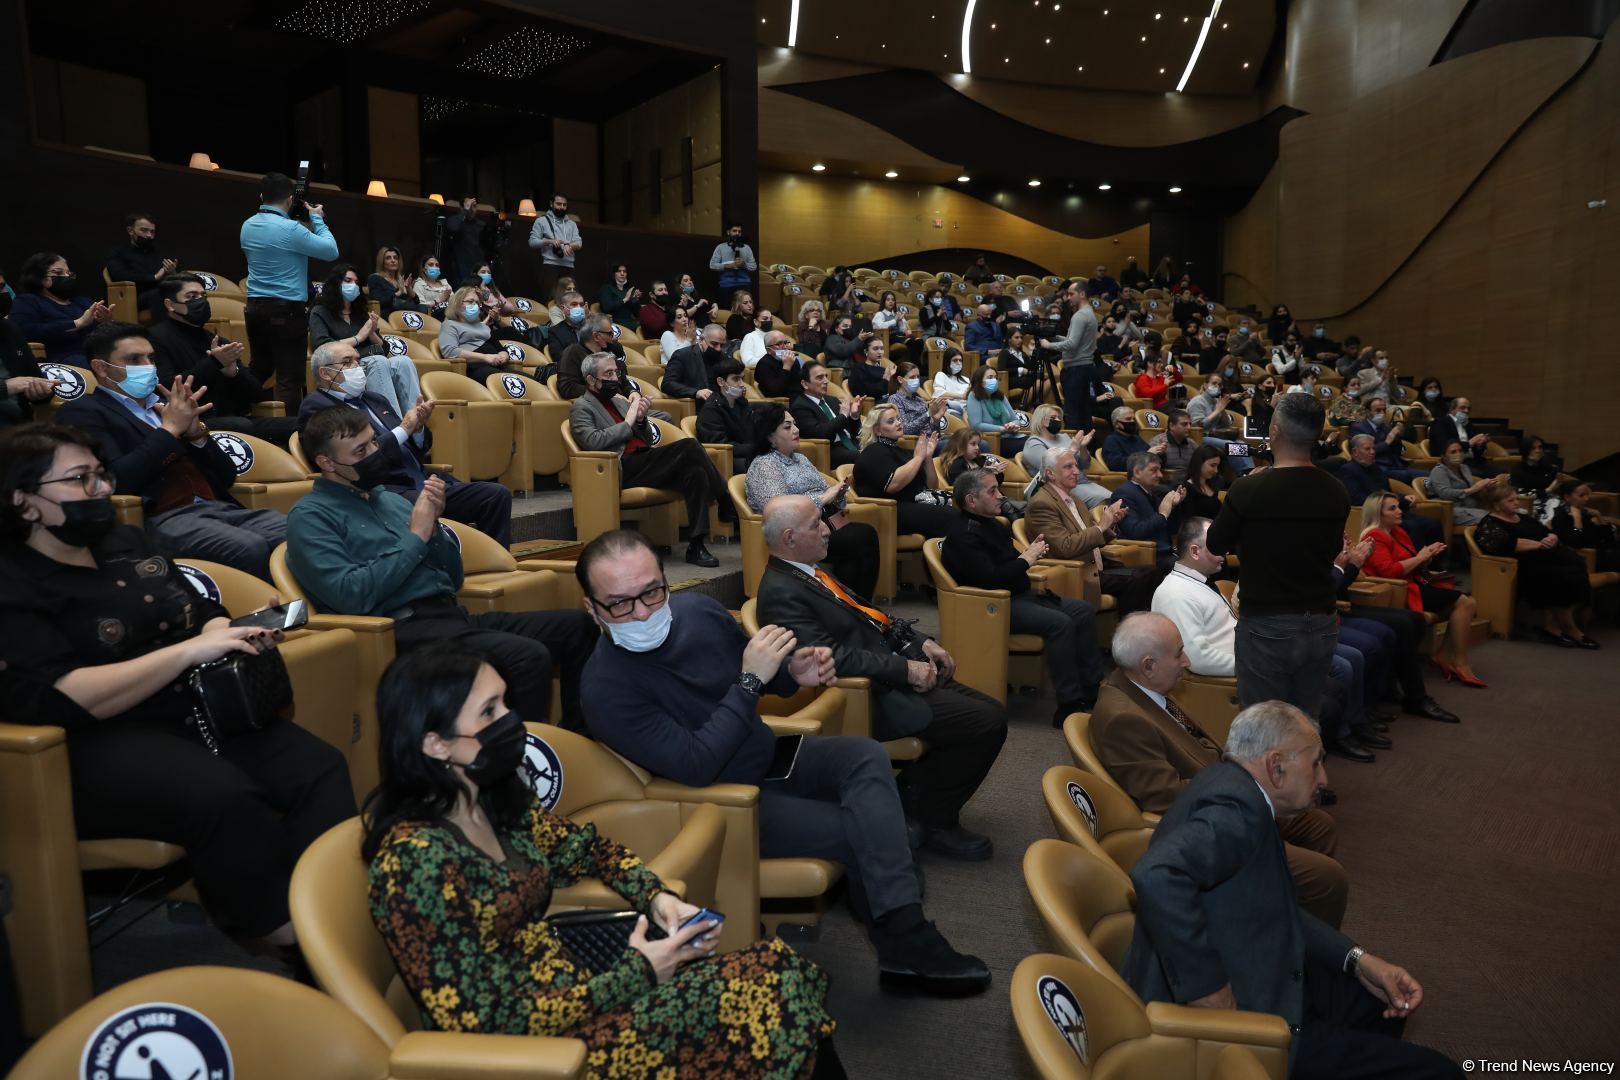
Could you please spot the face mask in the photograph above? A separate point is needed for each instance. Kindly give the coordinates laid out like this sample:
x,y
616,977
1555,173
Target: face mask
x,y
139,382
485,278
472,312
1054,425
500,752
714,353
938,301
198,310
912,385
1320,331
431,273
1231,373
353,383
351,291
1213,391
1462,416
1378,417
688,289
610,386
370,471
83,522
991,385
644,636
576,314
1454,459
144,243
783,356
62,287
1128,427
956,367
1243,330
733,392
1431,395
766,324
1352,393
848,332
1383,362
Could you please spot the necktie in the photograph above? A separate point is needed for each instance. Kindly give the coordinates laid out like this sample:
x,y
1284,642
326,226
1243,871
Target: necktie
x,y
1184,720
842,438
843,594
413,468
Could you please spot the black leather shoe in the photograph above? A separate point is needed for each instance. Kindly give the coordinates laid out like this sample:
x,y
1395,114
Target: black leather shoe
x,y
1379,726
958,843
921,961
1430,709
1385,711
1372,740
698,555
1579,643
1351,750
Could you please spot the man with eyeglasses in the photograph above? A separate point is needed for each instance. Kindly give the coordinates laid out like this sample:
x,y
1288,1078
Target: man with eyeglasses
x,y
154,439
359,549
674,686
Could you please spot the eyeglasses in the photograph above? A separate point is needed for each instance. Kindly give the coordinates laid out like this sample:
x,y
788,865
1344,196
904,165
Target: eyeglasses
x,y
650,599
90,482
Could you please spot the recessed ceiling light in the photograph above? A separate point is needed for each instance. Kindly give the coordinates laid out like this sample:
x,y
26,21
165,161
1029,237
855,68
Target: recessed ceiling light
x,y
963,179
1223,26
1161,71
1057,7
883,46
1184,18
1175,190
1157,15
762,20
891,174
1105,187
1034,183
1049,41
1082,67
992,26
818,167
1245,65
1105,11
1144,38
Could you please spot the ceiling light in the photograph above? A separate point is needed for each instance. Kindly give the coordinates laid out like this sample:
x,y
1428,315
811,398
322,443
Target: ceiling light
x,y
1245,65
883,46
1006,59
1223,26
1082,67
891,174
992,26
1105,187
1198,47
1184,18
1161,71
1057,7
1049,41
793,25
967,32
1144,38
1034,183
1156,16
1176,190
818,167
963,179
762,22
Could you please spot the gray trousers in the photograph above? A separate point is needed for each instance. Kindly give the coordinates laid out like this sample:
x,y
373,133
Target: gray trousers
x,y
1285,658
222,533
841,803
1073,659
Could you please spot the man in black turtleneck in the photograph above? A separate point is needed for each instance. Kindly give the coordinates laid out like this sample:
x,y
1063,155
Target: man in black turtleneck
x,y
138,260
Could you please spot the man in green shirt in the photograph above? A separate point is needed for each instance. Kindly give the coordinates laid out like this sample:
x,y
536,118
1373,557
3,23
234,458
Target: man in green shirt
x,y
359,549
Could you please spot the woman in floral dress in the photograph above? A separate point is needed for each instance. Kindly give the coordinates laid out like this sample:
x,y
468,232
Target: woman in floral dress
x,y
463,862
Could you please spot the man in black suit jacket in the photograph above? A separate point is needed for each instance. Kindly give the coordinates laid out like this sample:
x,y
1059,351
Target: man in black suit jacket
x,y
1218,924
1148,510
404,442
687,372
913,693
157,446
823,417
1454,427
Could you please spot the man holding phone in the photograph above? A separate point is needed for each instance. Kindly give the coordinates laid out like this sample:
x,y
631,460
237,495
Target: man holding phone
x,y
466,241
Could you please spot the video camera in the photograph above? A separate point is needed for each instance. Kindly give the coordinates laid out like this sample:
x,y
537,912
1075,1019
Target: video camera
x,y
299,210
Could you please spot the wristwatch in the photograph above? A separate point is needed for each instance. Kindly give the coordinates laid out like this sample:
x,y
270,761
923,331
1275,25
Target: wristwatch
x,y
751,683
1352,958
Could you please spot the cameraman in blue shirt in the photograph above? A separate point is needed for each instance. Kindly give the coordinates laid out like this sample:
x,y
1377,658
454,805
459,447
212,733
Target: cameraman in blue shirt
x,y
278,249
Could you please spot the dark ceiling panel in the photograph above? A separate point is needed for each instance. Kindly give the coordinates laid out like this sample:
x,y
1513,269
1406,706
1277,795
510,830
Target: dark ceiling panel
x,y
1485,23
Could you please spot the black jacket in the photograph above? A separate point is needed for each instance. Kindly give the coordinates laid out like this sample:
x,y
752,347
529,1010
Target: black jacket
x,y
686,372
182,349
774,380
16,361
140,455
813,422
979,553
721,420
127,263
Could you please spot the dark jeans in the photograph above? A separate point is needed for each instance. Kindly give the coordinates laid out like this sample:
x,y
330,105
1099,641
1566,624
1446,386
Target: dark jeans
x,y
1285,658
243,817
1345,1036
1069,627
522,646
680,466
222,533
1406,660
278,334
1075,381
1376,643
963,740
841,803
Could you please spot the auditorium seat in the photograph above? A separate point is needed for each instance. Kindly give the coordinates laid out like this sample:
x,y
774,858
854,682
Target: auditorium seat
x,y
1077,736
424,358
547,454
601,502
1438,509
478,437
1495,585
267,477
1085,902
720,457
1091,813
975,627
414,324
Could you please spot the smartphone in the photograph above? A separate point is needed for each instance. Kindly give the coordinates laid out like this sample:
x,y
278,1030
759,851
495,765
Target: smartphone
x,y
1237,449
783,757
288,616
705,915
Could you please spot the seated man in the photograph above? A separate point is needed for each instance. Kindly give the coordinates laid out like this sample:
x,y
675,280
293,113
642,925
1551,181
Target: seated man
x,y
674,686
686,373
983,334
1388,448
137,260
1218,924
728,416
603,419
1148,512
1453,427
359,549
1175,447
1053,514
979,553
1102,284
777,373
1152,748
820,416
1124,440
155,442
182,344
595,335
566,331
405,442
912,689
1362,476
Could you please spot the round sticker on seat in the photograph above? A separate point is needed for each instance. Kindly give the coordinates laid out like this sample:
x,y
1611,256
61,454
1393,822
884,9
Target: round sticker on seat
x,y
1053,280
1096,303
1209,318
1152,419
939,343
396,345
203,583
513,385
522,304
315,287
655,436
1003,278
514,352
1063,1009
1020,289
793,290
1021,418
209,281
960,286
1246,367
1082,802
519,324
158,1039
71,383
904,286
789,278
617,330
633,386
892,275
411,319
236,448
542,770
1324,391
1153,305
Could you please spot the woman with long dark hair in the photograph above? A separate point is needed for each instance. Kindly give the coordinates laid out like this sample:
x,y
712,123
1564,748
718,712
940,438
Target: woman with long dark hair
x,y
463,862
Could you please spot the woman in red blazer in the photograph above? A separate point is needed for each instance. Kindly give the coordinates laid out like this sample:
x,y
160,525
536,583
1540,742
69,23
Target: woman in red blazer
x,y
1394,555
1153,384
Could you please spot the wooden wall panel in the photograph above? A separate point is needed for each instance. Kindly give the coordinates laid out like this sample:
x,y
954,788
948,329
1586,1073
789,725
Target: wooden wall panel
x,y
691,109
1250,250
395,134
791,125
574,169
827,220
86,106
1340,50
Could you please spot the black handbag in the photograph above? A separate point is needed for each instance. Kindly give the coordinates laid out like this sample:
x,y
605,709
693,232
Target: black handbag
x,y
237,694
597,939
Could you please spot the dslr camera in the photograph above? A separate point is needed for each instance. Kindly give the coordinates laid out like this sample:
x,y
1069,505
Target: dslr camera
x,y
299,210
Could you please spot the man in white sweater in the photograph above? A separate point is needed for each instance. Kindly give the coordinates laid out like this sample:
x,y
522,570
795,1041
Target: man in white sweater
x,y
1189,599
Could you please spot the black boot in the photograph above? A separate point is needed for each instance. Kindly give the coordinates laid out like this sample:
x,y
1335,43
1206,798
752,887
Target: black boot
x,y
828,1067
913,957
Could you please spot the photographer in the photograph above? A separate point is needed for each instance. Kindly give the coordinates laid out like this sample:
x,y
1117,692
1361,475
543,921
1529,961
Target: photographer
x,y
278,242
734,261
556,237
466,241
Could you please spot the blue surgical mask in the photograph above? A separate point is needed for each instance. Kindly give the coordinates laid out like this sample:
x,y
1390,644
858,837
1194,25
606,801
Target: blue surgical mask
x,y
431,273
350,291
1244,330
991,385
139,382
687,289
576,314
1462,416
472,311
486,278
912,385
938,301
1321,331
1213,391
646,635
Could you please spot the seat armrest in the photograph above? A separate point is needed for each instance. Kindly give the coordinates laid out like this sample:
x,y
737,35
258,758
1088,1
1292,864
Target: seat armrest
x,y
446,1055
792,725
269,408
30,738
854,682
436,467
743,795
360,624
982,594
875,500
1218,1025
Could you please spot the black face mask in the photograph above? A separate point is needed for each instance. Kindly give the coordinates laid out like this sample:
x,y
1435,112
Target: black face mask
x,y
370,471
850,333
1129,429
501,751
143,243
84,522
62,287
198,310
1054,426
713,355
766,324
609,388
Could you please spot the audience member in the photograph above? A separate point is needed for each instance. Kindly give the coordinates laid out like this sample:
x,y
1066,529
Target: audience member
x,y
1453,427
404,443
603,419
1388,437
1057,515
914,694
1016,363
339,313
741,319
657,311
1551,577
1432,397
1245,345
752,347
495,302
811,331
727,416
980,554
1281,323
619,299
889,317
560,303
734,260
21,382
466,334
1155,381
1152,748
678,336
1125,442
984,334
870,371
1453,481
595,336
568,328
1150,506
844,341
1321,348
689,372
451,787
1213,352
1218,923
1395,555
431,289
1204,484
88,605
1579,526
1174,446
778,372
778,468
988,410
978,271
1362,477
964,450
949,382
1347,408
935,317
556,237
918,414
49,311
698,310
1538,470
660,695
390,285
1102,284
138,260
278,250
1380,378
887,470
1133,276
466,245
820,418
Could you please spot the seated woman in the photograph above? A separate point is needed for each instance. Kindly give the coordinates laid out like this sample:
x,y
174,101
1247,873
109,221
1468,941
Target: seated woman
x,y
1154,383
390,285
90,606
1016,362
1579,526
917,413
843,343
49,310
490,296
1432,398
340,313
935,318
1347,408
989,410
1189,347
1552,577
1538,470
887,470
1046,438
811,332
1204,484
965,450
901,339
949,382
869,371
1394,555
779,469
621,299
554,308
680,335
463,861
698,310
466,335
431,290
1454,482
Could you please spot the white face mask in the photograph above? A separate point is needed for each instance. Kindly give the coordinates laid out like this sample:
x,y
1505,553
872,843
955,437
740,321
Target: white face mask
x,y
734,392
645,635
354,382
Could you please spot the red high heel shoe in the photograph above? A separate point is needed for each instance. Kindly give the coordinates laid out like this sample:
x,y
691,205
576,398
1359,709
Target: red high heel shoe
x,y
1470,680
1445,669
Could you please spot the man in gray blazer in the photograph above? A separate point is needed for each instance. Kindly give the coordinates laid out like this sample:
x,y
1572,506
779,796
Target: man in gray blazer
x,y
1218,925
604,419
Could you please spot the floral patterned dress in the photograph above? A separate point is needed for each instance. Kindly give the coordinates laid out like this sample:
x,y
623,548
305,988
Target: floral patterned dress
x,y
471,943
